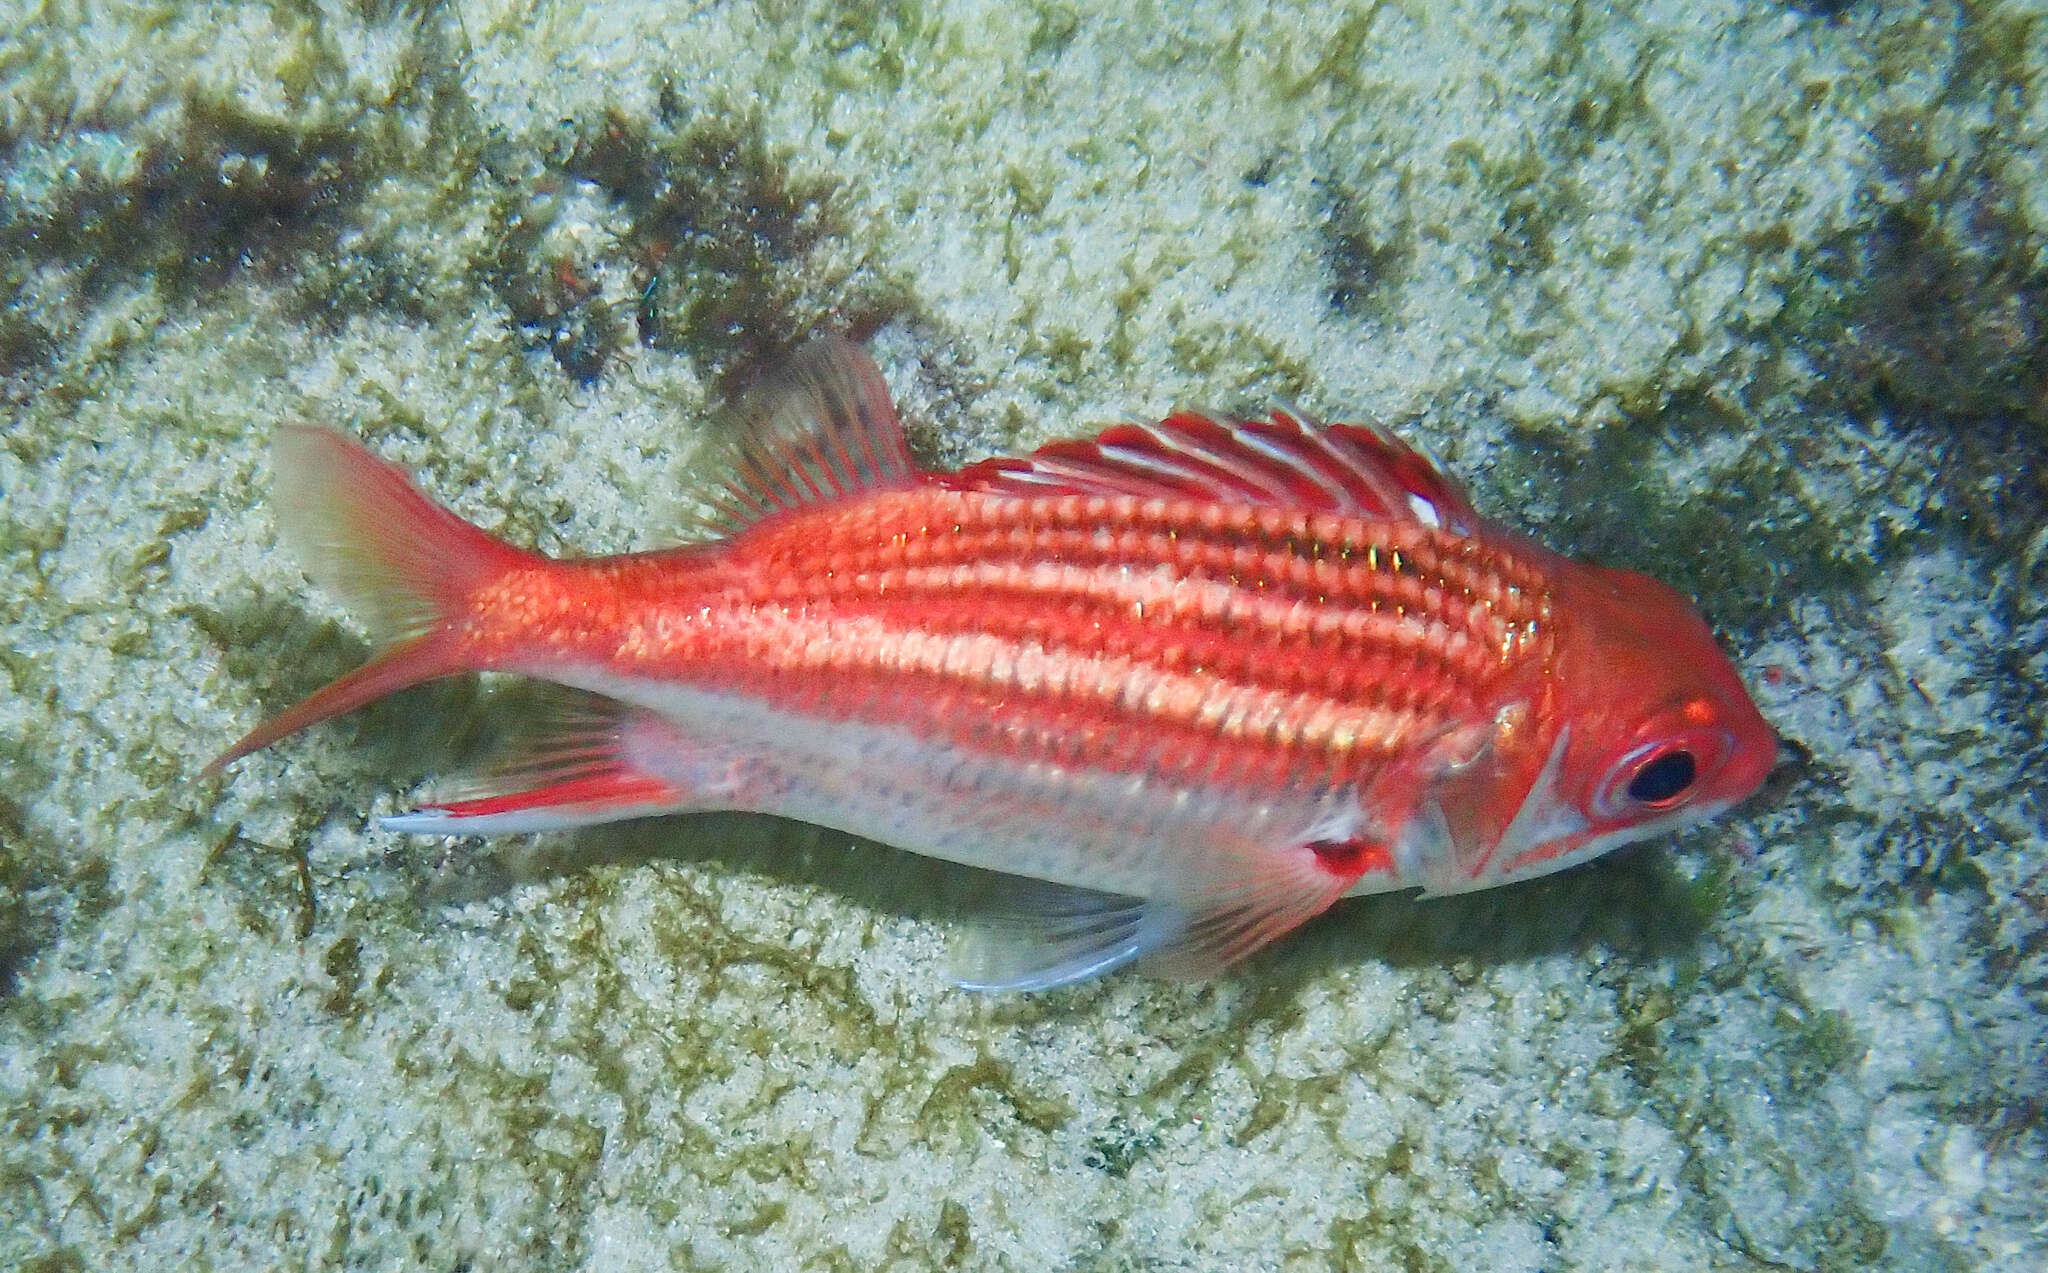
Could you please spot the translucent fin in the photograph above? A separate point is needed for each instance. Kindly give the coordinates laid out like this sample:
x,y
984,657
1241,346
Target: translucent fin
x,y
608,795
1243,910
823,428
363,531
586,760
1282,460
1049,935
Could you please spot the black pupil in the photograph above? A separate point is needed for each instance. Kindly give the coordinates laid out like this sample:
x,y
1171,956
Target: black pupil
x,y
1663,778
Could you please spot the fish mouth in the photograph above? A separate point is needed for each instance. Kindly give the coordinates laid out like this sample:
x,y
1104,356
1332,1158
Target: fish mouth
x,y
1589,846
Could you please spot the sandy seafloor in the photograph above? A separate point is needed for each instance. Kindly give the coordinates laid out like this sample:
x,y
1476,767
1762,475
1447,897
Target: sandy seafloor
x,y
1747,294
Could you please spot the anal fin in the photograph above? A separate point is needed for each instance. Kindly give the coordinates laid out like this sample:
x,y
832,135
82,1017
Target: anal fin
x,y
608,796
586,760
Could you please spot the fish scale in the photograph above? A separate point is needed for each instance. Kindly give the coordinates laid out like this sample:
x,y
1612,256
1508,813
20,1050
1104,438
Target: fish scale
x,y
1397,637
1445,592
1200,678
885,660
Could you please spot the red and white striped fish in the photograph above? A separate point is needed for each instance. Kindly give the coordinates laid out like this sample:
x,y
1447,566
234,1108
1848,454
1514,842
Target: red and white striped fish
x,y
1207,676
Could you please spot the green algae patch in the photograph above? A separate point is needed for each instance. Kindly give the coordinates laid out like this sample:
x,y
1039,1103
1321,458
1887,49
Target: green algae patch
x,y
1368,249
47,895
952,1097
709,241
1118,1148
718,255
227,191
721,231
1930,317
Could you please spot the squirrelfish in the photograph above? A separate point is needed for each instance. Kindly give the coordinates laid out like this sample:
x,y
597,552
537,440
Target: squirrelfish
x,y
1196,680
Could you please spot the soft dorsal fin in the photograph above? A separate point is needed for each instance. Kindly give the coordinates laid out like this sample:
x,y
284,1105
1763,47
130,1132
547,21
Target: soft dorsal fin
x,y
821,428
1284,460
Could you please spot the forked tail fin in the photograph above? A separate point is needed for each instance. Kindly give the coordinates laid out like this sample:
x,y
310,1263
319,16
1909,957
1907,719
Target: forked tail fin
x,y
364,532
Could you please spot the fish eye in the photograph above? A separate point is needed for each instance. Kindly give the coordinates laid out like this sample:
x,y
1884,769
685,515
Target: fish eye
x,y
1665,777
1655,777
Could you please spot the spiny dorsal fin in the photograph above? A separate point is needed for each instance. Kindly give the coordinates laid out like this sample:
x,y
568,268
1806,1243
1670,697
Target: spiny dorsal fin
x,y
822,428
1284,460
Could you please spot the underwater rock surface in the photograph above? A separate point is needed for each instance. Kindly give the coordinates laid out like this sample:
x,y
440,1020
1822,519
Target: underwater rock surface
x,y
1746,295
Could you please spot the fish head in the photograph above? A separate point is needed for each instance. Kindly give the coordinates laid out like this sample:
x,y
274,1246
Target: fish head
x,y
1640,725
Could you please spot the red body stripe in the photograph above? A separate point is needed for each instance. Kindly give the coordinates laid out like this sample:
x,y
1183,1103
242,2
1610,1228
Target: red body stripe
x,y
592,791
1207,641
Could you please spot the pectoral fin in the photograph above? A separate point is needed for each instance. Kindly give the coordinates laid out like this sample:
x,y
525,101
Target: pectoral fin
x,y
1048,935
